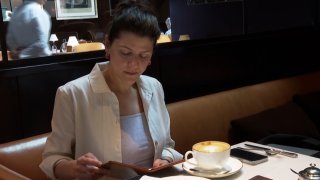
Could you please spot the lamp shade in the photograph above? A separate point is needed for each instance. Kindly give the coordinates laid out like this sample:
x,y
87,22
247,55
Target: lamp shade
x,y
164,38
53,37
72,41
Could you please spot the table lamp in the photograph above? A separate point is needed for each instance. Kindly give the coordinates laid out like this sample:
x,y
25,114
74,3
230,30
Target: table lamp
x,y
72,42
53,38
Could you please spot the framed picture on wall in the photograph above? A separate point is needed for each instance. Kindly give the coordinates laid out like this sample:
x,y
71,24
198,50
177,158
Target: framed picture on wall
x,y
76,9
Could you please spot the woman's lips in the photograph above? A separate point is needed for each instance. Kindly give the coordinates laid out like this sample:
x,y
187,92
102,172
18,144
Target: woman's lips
x,y
131,73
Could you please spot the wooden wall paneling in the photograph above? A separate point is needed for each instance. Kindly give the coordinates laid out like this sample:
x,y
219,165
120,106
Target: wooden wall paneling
x,y
10,128
37,92
317,7
290,53
202,69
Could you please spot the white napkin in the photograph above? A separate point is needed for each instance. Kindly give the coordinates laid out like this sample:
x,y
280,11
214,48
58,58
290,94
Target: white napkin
x,y
145,177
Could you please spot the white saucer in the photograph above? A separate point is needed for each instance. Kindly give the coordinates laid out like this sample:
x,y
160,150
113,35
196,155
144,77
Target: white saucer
x,y
233,164
181,177
184,178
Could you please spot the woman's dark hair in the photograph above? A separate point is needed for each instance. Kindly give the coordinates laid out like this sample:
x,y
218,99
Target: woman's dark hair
x,y
134,16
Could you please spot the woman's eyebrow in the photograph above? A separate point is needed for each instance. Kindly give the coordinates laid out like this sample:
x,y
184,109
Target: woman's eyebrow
x,y
123,46
126,47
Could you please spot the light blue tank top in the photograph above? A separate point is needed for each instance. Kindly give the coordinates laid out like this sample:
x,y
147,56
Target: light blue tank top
x,y
136,142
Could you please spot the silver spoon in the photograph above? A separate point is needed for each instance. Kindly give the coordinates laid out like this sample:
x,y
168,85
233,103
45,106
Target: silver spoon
x,y
285,153
268,152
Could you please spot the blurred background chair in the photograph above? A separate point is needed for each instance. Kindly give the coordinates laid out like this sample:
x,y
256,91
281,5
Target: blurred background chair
x,y
9,54
92,46
85,29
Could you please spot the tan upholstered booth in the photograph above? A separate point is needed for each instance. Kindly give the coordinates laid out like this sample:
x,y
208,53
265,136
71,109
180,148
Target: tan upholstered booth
x,y
20,159
208,117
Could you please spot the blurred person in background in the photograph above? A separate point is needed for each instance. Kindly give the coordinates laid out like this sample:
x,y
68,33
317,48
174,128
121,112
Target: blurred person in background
x,y
168,24
29,30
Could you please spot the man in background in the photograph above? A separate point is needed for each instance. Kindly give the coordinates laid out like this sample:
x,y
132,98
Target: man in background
x,y
29,29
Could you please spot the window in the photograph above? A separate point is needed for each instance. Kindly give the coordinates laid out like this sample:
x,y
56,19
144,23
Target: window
x,y
86,29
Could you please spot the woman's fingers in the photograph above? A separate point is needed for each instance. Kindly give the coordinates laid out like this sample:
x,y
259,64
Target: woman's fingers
x,y
159,162
89,160
87,166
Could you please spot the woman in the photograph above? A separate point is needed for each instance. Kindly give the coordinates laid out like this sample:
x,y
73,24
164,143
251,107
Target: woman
x,y
114,113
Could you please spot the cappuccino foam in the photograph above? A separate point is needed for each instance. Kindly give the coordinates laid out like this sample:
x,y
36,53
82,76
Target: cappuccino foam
x,y
211,146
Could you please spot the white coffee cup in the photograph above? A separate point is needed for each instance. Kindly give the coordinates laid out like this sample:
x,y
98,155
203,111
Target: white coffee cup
x,y
209,155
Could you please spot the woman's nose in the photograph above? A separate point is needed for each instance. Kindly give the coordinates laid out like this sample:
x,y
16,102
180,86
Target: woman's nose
x,y
134,61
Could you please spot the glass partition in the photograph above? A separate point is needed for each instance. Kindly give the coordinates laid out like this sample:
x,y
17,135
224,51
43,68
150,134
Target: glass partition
x,y
86,20
206,19
86,27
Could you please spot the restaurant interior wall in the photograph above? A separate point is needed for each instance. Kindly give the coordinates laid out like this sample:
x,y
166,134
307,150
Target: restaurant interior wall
x,y
185,68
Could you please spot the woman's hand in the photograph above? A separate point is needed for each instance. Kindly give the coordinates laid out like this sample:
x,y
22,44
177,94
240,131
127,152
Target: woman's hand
x,y
85,167
159,162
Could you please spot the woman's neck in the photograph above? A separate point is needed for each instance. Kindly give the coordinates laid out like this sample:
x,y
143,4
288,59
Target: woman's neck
x,y
115,84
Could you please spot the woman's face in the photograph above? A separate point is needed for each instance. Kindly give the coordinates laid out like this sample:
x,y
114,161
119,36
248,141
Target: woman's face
x,y
130,55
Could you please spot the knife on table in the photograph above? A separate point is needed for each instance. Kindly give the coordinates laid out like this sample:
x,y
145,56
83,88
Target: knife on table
x,y
285,153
